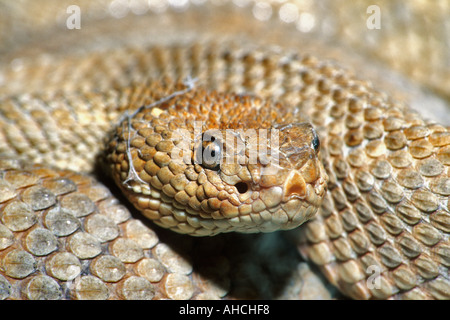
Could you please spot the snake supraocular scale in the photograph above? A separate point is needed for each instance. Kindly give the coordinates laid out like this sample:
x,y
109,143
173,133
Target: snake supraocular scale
x,y
382,230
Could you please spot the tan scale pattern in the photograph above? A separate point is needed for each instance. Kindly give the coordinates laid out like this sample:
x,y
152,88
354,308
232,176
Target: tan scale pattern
x,y
321,85
64,235
386,212
387,205
159,170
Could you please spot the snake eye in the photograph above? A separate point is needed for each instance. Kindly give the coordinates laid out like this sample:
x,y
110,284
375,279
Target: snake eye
x,y
209,152
315,141
212,153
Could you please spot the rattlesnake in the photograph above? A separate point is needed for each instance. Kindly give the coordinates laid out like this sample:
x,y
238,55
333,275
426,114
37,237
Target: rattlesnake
x,y
382,229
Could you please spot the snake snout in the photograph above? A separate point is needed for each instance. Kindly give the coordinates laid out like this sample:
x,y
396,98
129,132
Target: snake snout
x,y
299,149
295,186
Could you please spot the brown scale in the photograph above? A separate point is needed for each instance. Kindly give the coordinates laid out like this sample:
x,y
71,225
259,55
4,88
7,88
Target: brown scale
x,y
63,235
386,211
369,218
219,197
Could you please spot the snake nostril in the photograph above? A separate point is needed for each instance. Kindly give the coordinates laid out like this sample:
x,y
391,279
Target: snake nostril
x,y
241,187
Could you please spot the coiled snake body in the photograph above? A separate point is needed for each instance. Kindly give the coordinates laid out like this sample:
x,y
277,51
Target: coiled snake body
x,y
374,189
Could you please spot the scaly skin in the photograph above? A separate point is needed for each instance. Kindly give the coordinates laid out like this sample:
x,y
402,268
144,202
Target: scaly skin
x,y
386,211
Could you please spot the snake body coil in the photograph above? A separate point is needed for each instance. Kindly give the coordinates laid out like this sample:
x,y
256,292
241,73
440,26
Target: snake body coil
x,y
369,175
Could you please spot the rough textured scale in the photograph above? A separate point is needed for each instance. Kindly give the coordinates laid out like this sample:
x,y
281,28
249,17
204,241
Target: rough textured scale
x,y
203,163
381,232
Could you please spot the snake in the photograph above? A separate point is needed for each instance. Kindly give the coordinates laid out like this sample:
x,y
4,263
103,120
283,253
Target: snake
x,y
119,181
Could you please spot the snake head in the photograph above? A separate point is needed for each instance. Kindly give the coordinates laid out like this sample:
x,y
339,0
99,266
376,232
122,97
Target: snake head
x,y
204,163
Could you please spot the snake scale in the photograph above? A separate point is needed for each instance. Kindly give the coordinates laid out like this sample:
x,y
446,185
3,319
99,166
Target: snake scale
x,y
369,174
